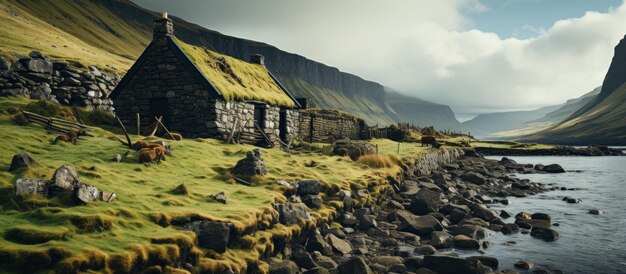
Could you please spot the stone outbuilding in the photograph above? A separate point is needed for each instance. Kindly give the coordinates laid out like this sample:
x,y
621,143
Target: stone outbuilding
x,y
202,93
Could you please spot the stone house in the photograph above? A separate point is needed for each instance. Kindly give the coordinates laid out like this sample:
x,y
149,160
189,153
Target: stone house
x,y
201,93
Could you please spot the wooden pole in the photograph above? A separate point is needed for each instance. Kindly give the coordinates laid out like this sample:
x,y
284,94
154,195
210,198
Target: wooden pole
x,y
138,124
130,143
168,132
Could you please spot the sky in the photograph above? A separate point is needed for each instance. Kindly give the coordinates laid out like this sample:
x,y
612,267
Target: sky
x,y
477,56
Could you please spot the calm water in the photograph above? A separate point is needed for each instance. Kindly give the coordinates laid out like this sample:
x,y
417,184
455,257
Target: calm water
x,y
588,243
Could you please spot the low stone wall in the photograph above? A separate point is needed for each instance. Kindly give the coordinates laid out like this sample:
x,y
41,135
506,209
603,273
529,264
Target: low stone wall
x,y
37,77
433,160
316,127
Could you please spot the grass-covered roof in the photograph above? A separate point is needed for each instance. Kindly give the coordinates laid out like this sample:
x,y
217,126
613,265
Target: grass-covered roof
x,y
236,79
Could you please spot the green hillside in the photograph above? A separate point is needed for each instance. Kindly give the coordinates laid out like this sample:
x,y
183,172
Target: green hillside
x,y
604,123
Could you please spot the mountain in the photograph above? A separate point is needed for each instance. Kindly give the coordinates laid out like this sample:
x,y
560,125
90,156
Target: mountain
x,y
491,123
552,118
112,34
603,119
423,113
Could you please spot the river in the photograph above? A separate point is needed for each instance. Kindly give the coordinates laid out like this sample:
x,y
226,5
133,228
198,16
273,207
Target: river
x,y
588,243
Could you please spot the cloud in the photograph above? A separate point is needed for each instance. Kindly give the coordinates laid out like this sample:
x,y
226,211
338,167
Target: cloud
x,y
427,48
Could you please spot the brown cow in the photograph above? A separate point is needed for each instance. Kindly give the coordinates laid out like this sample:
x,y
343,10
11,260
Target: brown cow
x,y
429,140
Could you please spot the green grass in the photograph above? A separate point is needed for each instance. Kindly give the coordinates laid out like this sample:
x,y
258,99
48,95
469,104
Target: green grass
x,y
143,225
510,145
234,78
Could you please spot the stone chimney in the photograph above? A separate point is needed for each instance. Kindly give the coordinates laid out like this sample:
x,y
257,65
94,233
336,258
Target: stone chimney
x,y
163,27
257,59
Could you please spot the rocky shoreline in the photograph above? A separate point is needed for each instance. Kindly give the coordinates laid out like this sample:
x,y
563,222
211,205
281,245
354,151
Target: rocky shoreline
x,y
558,151
418,227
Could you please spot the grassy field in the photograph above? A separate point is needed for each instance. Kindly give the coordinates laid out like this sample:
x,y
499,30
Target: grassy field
x,y
510,145
143,224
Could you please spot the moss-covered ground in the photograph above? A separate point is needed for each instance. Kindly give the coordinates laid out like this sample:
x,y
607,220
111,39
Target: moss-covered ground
x,y
143,226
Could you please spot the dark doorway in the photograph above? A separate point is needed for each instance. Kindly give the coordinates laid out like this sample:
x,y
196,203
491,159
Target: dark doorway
x,y
259,115
282,125
159,108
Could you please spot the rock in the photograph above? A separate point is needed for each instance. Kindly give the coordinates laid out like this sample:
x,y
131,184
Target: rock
x,y
595,212
354,265
339,246
448,208
541,216
21,160
553,168
87,194
424,202
308,187
510,229
483,213
347,203
4,64
546,234
424,270
347,219
464,242
316,270
456,216
425,250
403,251
387,242
108,196
378,268
323,261
505,214
292,213
524,264
211,235
397,268
252,165
574,201
440,239
39,65
303,258
312,201
24,186
474,177
445,264
65,178
422,225
486,260
507,161
317,243
387,260
394,205
366,222
220,197
283,267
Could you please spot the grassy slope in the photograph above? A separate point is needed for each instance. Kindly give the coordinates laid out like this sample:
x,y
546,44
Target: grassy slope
x,y
603,124
246,81
116,234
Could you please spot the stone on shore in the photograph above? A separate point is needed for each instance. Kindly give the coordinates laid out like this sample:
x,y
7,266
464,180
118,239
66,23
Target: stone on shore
x,y
354,265
524,264
553,168
21,160
464,242
546,234
211,235
487,260
424,202
421,226
291,213
425,250
474,177
446,264
283,267
341,247
595,212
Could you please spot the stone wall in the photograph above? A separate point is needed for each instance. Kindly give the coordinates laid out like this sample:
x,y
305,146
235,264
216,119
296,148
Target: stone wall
x,y
316,127
433,160
38,77
163,77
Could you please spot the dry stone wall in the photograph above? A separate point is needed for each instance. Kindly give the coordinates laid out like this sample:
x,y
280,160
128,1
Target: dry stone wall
x,y
314,127
37,77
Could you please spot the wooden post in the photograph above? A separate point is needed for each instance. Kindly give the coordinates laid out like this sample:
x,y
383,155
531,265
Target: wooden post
x,y
376,149
167,131
130,143
138,124
398,148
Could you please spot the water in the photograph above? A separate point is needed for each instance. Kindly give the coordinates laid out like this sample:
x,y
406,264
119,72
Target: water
x,y
588,243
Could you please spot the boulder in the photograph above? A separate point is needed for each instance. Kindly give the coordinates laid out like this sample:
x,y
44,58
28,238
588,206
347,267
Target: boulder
x,y
354,265
341,247
505,214
308,187
387,260
323,261
312,201
283,267
445,264
211,235
483,213
366,222
510,229
303,258
524,264
553,168
440,239
317,243
316,270
219,197
5,64
424,202
65,178
422,225
39,65
347,219
252,165
474,177
24,186
292,213
87,194
546,234
595,212
464,242
541,216
21,160
425,250
487,260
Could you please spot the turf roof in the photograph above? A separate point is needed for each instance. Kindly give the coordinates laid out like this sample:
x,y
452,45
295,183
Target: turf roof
x,y
236,79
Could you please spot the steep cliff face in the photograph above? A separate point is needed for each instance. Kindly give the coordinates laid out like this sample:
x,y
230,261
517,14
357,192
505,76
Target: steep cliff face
x,y
115,32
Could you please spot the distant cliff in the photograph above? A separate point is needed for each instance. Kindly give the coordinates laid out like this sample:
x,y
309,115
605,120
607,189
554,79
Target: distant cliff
x,y
123,29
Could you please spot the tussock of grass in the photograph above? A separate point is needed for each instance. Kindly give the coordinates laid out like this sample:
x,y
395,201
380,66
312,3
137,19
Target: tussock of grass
x,y
33,235
379,161
236,79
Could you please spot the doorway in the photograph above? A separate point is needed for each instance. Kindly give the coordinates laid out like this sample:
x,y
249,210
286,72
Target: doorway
x,y
159,108
259,115
282,125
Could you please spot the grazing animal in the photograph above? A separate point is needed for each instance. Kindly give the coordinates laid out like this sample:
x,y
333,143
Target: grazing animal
x,y
70,137
152,154
143,144
429,140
